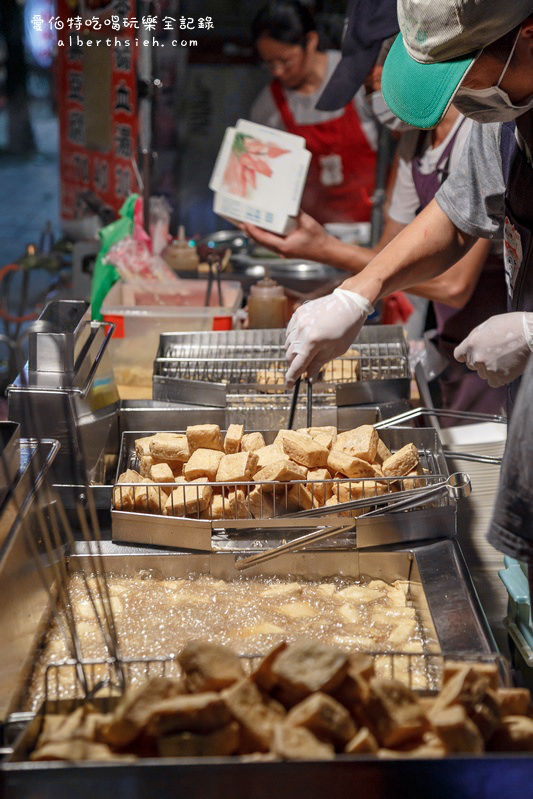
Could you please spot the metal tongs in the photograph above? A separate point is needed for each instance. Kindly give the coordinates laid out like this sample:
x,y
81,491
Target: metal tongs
x,y
457,486
294,402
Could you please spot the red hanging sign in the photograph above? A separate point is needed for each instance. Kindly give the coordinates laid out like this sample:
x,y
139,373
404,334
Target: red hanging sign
x,y
97,94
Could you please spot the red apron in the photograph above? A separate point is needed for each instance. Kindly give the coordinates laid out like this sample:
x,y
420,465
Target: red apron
x,y
341,176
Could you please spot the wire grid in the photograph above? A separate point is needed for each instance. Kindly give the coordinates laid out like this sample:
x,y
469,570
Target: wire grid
x,y
422,672
266,500
257,357
49,535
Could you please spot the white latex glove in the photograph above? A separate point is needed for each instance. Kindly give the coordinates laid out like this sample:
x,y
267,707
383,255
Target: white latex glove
x,y
499,349
323,329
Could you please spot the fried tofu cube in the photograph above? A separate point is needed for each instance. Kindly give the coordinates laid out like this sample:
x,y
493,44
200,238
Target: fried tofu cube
x,y
301,497
304,450
475,670
269,454
515,734
456,731
237,468
262,674
309,666
403,461
172,448
347,465
297,743
361,442
149,499
320,491
145,465
203,463
236,506
251,442
282,471
278,441
394,712
382,452
219,743
209,667
204,436
260,503
192,498
199,713
162,473
414,481
142,446
257,716
326,718
233,438
124,496
513,701
216,508
363,743
134,709
346,491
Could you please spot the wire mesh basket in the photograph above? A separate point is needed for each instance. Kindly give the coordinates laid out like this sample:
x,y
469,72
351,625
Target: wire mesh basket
x,y
211,368
193,514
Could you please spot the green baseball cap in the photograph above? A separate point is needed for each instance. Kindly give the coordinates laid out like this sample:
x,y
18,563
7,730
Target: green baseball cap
x,y
437,46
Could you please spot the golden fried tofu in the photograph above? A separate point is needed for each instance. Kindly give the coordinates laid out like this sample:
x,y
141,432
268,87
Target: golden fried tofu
x,y
297,743
269,454
456,731
320,491
237,468
282,471
204,436
304,450
162,473
403,461
347,465
209,667
361,442
326,718
203,463
233,438
307,666
219,743
257,716
251,442
172,448
192,498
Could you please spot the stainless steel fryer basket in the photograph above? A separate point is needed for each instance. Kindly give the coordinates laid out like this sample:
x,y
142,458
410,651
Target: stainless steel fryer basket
x,y
208,368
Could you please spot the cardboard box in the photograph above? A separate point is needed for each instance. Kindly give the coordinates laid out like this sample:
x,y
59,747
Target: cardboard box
x,y
259,176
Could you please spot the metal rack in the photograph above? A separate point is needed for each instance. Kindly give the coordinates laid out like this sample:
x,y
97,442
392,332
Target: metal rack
x,y
211,368
273,509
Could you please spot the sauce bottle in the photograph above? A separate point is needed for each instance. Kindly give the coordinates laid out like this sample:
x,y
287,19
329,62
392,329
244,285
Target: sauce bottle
x,y
267,305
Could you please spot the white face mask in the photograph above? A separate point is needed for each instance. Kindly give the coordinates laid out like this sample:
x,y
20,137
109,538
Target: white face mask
x,y
381,111
492,104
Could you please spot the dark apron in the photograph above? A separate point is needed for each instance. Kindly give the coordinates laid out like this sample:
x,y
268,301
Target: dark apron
x,y
518,248
461,388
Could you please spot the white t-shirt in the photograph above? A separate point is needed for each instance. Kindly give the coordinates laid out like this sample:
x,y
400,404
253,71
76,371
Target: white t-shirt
x,y
405,201
265,112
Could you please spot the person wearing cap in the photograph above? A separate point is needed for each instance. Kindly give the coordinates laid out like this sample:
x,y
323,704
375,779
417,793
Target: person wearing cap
x,y
479,55
343,143
473,289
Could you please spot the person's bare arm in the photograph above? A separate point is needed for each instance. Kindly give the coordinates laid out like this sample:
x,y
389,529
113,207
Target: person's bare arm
x,y
456,285
311,241
428,246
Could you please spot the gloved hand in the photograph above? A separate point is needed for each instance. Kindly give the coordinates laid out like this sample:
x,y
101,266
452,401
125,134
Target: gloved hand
x,y
499,349
323,329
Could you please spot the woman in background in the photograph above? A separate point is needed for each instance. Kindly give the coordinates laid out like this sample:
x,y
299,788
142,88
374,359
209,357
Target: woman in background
x,y
342,143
